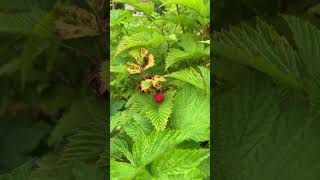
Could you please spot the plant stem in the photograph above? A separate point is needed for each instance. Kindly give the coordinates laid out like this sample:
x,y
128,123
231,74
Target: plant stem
x,y
178,10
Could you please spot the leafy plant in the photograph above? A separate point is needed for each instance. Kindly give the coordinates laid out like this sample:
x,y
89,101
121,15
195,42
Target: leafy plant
x,y
266,101
160,90
53,77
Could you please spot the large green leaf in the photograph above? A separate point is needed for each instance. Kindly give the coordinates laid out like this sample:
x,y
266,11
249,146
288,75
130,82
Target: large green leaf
x,y
307,40
158,114
191,113
147,148
237,55
191,76
192,50
258,135
179,164
263,49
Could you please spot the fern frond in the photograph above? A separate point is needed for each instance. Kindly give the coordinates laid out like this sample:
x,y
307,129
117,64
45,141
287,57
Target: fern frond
x,y
157,114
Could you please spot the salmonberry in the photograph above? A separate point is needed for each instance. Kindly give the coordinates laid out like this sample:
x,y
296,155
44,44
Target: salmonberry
x,y
159,98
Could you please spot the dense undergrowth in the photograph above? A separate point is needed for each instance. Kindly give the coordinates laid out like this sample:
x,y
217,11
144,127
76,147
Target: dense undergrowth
x,y
266,92
53,90
160,90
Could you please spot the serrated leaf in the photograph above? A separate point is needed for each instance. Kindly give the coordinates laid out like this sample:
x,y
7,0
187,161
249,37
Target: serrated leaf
x,y
261,48
147,148
200,6
178,163
157,114
191,113
121,170
191,50
190,76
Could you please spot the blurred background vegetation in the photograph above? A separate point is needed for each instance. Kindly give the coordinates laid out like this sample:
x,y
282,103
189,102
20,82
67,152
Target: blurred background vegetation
x,y
228,12
266,90
53,84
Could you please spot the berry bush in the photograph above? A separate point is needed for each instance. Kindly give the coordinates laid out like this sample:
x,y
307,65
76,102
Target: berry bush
x,y
160,89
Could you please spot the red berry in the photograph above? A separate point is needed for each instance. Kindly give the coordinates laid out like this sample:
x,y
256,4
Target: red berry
x,y
159,97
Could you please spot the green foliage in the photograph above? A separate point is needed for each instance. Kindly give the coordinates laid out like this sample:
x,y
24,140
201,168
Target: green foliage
x,y
148,133
53,86
157,114
192,50
265,101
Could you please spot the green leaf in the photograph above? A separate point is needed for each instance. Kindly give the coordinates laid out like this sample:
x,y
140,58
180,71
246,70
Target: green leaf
x,y
191,113
138,40
118,69
307,40
157,114
121,170
137,127
82,111
178,164
147,148
192,77
237,55
191,50
36,23
273,136
200,6
263,49
85,145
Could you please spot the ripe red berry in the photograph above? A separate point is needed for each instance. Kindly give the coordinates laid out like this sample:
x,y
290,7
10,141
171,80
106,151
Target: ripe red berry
x,y
159,98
